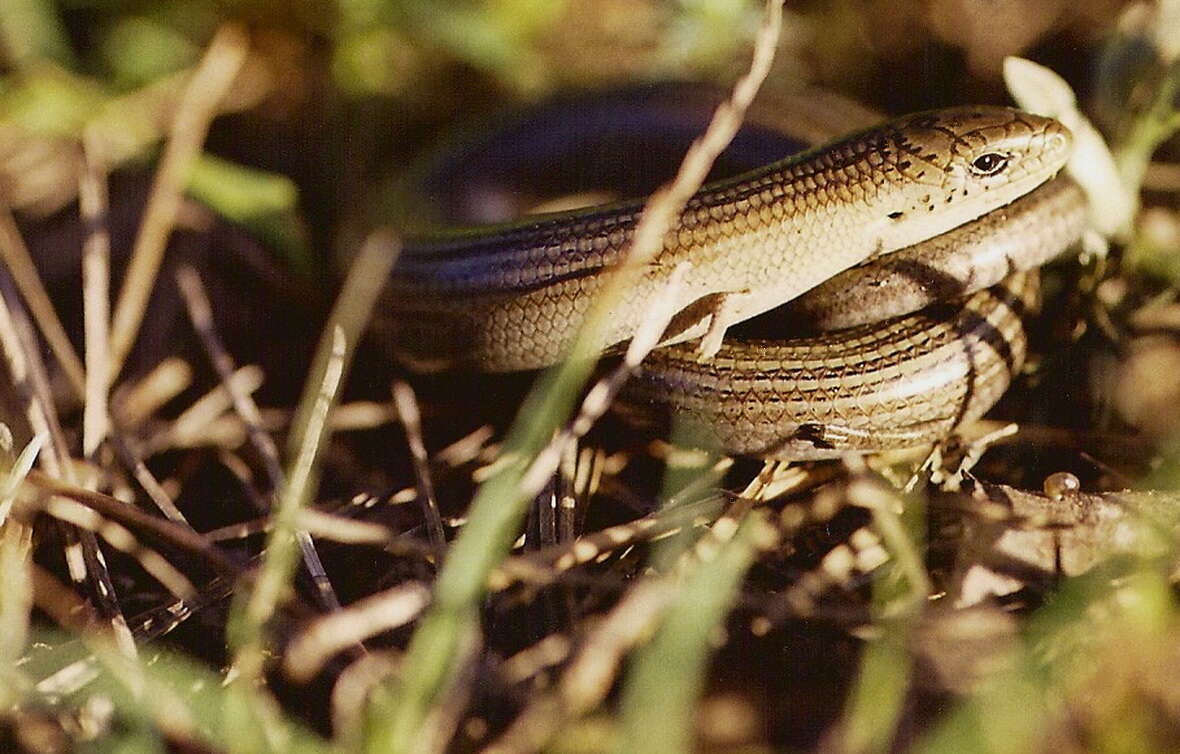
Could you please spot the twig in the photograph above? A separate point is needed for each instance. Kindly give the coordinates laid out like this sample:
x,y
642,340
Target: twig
x,y
209,85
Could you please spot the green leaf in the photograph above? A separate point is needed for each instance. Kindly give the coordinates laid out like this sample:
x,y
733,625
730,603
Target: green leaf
x,y
31,33
264,203
139,50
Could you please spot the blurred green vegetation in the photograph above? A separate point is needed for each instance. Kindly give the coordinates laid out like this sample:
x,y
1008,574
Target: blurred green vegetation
x,y
353,68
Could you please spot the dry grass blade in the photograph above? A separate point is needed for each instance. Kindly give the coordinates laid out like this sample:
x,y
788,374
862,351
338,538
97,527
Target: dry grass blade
x,y
274,578
83,557
159,621
588,679
17,473
134,403
531,660
351,312
108,507
326,636
665,204
596,592
30,383
96,272
194,422
16,256
361,415
667,676
16,604
407,409
147,481
466,449
725,527
120,538
353,687
309,435
600,397
200,312
209,85
63,605
593,546
96,420
886,505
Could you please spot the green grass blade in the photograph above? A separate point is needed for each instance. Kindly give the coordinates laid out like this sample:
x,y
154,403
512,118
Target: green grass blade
x,y
668,675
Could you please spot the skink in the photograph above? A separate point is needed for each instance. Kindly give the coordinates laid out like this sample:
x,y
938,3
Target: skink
x,y
511,296
870,388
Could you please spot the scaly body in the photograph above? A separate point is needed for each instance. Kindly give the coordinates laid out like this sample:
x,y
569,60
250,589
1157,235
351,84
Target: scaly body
x,y
512,296
880,384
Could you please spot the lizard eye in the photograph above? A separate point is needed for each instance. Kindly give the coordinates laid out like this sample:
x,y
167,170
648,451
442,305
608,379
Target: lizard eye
x,y
989,164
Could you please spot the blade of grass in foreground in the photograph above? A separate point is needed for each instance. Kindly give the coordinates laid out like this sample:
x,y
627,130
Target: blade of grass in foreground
x,y
309,434
398,713
901,591
167,698
668,675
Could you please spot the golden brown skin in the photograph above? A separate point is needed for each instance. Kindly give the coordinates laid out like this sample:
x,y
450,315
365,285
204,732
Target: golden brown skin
x,y
1019,236
511,296
870,388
